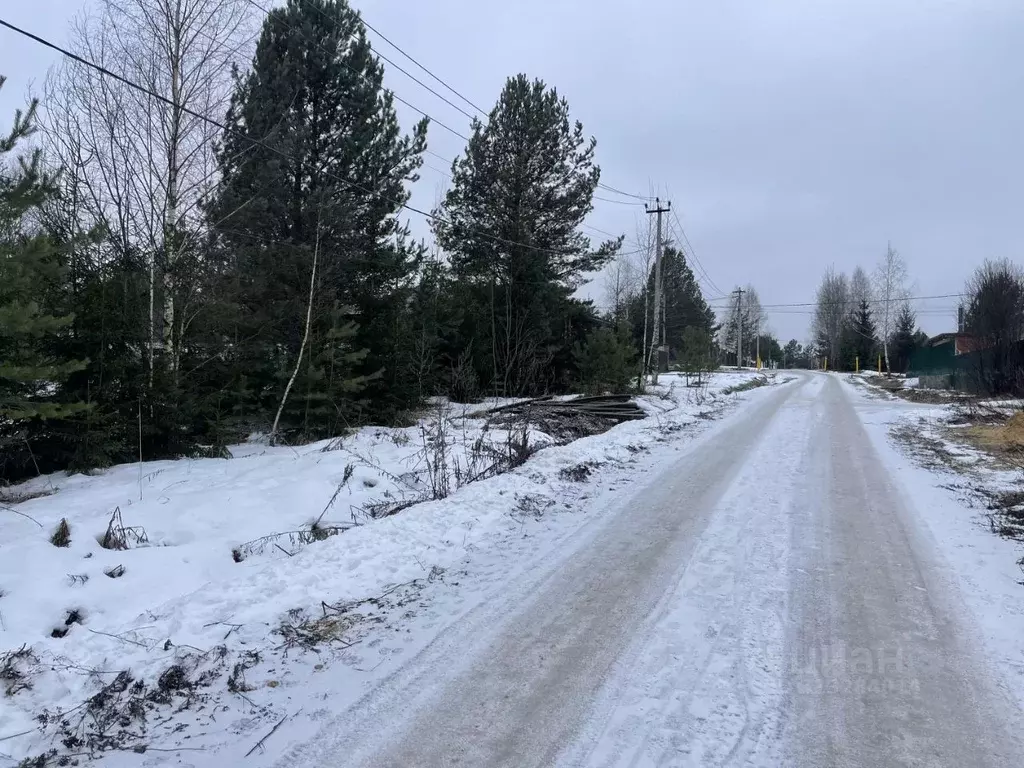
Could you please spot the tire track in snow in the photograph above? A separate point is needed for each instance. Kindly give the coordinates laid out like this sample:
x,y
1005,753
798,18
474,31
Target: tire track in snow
x,y
520,693
702,686
885,662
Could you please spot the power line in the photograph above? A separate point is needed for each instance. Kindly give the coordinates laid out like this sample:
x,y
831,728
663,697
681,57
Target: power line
x,y
418,64
599,231
693,252
586,226
645,198
465,138
701,273
262,240
869,301
416,80
352,69
396,66
616,202
226,129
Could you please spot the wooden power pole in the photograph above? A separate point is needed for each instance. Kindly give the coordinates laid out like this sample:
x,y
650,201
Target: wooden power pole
x,y
739,327
656,339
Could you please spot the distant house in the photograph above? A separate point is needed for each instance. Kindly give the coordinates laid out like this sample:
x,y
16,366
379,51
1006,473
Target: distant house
x,y
936,361
961,343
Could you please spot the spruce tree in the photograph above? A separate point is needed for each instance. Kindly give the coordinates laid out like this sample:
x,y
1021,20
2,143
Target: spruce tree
x,y
606,360
316,163
793,355
685,306
863,336
511,226
770,349
31,271
904,340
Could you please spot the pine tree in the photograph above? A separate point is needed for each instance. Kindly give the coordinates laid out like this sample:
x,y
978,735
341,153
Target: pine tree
x,y
315,155
510,225
793,355
31,271
606,360
684,304
994,316
769,348
862,336
904,339
695,355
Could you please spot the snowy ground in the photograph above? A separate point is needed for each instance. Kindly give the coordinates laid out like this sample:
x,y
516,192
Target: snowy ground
x,y
224,612
773,595
956,483
796,575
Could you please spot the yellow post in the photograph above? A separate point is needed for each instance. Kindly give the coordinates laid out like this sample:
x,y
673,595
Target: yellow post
x,y
879,363
856,364
826,364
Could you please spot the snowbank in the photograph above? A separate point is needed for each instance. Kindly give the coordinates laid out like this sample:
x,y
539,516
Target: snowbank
x,y
228,569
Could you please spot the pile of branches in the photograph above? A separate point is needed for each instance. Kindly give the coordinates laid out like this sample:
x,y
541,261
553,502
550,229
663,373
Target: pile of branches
x,y
570,419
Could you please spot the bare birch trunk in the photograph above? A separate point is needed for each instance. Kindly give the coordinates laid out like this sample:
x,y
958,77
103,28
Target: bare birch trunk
x,y
171,209
305,337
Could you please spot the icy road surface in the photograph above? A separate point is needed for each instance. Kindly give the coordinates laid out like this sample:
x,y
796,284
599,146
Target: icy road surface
x,y
773,599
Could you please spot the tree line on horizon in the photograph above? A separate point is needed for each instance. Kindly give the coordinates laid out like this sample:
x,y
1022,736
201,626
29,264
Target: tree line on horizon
x,y
862,320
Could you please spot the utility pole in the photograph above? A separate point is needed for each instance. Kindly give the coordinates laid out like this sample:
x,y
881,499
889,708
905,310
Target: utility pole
x,y
656,339
758,343
739,326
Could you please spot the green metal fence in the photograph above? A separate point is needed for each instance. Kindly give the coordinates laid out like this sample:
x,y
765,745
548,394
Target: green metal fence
x,y
933,361
989,371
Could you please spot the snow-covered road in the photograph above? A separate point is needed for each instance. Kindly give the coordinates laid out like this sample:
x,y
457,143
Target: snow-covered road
x,y
774,598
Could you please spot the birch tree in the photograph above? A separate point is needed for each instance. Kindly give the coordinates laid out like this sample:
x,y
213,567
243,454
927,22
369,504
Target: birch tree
x,y
144,165
861,289
831,315
621,283
890,288
745,316
646,238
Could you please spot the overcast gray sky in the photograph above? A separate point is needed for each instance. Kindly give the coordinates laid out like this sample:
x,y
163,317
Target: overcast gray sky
x,y
790,134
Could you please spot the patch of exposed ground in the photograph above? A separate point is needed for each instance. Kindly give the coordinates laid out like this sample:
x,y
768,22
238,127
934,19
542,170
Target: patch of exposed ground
x,y
1002,440
894,387
985,445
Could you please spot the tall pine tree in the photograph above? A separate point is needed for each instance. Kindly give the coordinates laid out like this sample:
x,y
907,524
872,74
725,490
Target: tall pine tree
x,y
684,307
904,339
862,337
31,272
315,168
511,227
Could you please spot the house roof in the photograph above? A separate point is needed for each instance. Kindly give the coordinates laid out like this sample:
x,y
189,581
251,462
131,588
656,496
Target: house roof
x,y
943,338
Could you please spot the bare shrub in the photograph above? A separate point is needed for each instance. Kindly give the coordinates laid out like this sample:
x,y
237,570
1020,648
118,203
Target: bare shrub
x,y
15,670
8,496
62,535
308,633
533,505
436,452
579,473
118,716
120,536
236,680
754,383
288,542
